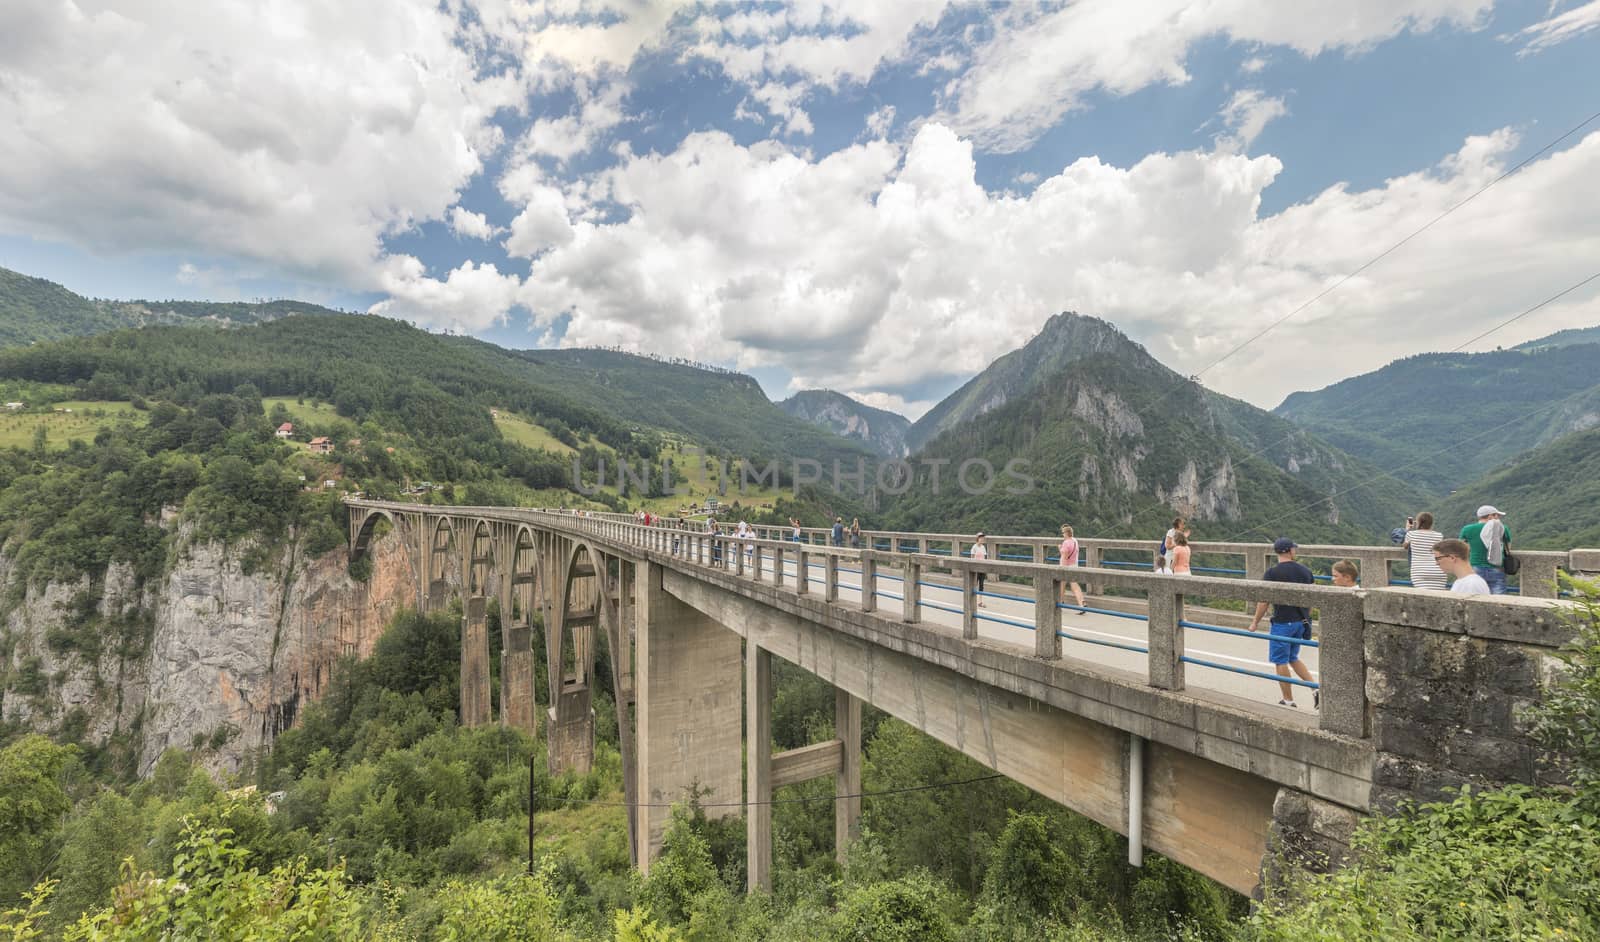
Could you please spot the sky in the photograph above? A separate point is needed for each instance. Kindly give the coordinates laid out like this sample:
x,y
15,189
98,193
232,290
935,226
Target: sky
x,y
878,198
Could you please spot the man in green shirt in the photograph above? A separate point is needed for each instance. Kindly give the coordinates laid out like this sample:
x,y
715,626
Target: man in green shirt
x,y
1487,541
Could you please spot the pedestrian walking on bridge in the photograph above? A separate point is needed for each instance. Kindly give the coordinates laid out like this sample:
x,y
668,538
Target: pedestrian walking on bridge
x,y
1069,557
980,551
1290,624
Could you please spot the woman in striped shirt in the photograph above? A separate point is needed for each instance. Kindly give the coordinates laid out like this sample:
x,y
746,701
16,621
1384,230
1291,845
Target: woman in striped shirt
x,y
1425,572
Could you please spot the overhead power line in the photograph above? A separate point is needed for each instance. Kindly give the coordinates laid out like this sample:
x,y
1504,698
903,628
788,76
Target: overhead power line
x,y
1375,390
1391,249
785,801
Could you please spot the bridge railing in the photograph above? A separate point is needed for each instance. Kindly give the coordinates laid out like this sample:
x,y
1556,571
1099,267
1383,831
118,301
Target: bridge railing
x,y
896,585
1538,578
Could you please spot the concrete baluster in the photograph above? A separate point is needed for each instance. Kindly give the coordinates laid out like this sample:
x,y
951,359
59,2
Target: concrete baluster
x,y
912,589
969,603
778,553
1537,578
1039,553
869,584
830,578
1046,617
1095,558
1164,664
1256,563
1342,666
1374,570
802,572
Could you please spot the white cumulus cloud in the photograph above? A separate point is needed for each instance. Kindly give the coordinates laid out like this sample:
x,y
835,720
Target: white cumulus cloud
x,y
130,130
877,269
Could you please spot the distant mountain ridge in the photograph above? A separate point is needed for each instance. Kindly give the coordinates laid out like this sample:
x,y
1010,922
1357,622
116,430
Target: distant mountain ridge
x,y
34,310
1118,443
1443,419
884,431
1551,495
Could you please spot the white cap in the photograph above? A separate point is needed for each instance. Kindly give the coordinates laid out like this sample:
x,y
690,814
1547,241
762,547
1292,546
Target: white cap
x,y
1488,509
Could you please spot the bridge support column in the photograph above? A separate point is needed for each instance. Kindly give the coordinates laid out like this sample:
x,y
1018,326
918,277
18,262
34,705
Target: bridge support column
x,y
475,664
516,680
758,768
689,678
847,782
765,772
438,592
570,722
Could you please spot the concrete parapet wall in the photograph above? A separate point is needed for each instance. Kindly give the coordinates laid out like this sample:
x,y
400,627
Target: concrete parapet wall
x,y
1450,682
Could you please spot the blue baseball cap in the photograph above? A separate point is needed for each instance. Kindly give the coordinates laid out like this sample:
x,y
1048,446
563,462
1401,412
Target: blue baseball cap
x,y
1283,545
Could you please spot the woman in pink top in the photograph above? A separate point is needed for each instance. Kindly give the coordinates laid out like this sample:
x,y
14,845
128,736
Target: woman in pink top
x,y
1178,554
1069,557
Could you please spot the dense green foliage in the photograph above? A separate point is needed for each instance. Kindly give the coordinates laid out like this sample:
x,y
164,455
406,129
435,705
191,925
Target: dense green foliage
x,y
34,310
1440,420
379,816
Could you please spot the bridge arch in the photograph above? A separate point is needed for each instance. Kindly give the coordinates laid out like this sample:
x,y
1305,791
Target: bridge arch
x,y
444,563
366,529
482,558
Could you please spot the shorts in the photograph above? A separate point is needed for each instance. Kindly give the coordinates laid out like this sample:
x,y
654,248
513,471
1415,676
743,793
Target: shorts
x,y
1287,652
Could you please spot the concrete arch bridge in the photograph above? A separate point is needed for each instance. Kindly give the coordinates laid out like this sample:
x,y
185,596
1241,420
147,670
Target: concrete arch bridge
x,y
1150,708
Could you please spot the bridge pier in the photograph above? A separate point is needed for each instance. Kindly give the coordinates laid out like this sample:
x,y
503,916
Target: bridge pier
x,y
766,772
517,708
688,686
438,594
475,709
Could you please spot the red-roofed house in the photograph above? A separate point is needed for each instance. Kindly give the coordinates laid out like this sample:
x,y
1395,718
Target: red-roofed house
x,y
285,430
323,445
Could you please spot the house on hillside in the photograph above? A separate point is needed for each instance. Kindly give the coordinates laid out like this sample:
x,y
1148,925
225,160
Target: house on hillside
x,y
285,430
14,406
322,445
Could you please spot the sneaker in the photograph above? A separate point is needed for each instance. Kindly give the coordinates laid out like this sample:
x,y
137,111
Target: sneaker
x,y
1316,699
1083,611
1289,703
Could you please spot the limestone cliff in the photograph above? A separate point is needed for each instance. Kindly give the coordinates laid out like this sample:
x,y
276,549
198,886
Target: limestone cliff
x,y
208,654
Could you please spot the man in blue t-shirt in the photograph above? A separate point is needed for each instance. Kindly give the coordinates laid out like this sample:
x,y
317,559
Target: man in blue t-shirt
x,y
1290,623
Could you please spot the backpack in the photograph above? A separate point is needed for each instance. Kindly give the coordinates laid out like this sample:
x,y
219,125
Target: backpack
x,y
1509,563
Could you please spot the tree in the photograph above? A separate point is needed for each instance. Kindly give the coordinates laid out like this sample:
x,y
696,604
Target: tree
x,y
32,801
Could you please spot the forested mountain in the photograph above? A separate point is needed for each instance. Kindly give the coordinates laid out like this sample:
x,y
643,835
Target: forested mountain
x,y
1439,420
34,310
1562,338
1117,443
1551,495
1065,337
719,408
884,431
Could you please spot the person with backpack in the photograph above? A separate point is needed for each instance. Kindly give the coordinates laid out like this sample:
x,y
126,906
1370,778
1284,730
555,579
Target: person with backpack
x,y
1166,543
1489,541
